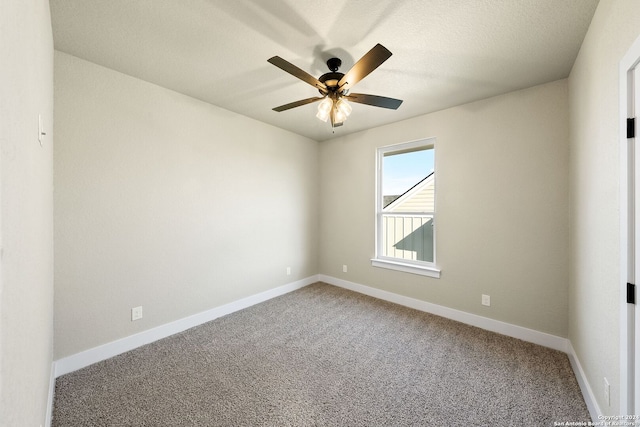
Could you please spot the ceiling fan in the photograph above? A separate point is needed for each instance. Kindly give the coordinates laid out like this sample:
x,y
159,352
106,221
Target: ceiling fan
x,y
334,86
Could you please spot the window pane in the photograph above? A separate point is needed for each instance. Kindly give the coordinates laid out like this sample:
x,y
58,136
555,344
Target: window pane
x,y
408,237
402,171
408,194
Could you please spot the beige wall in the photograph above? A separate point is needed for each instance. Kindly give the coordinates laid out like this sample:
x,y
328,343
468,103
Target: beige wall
x,y
26,212
501,200
169,203
595,180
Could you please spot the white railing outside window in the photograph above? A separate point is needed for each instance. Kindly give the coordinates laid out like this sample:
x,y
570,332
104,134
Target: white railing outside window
x,y
407,236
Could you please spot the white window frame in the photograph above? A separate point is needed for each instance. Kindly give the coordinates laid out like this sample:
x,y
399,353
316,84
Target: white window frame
x,y
409,266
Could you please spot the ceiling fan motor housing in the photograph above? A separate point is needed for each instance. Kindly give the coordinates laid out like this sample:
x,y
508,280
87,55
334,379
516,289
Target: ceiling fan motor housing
x,y
331,80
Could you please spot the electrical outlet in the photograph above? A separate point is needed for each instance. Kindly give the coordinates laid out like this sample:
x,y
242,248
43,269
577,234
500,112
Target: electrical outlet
x,y
288,271
344,268
607,395
136,313
486,300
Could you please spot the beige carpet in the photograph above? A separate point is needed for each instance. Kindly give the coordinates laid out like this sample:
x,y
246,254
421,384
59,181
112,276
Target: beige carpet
x,y
325,356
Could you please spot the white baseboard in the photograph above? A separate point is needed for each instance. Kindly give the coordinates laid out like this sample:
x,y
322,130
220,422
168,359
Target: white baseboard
x,y
52,389
525,334
88,357
585,388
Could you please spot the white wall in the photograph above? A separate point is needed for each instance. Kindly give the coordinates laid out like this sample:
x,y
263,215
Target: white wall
x,y
595,175
26,212
502,190
170,203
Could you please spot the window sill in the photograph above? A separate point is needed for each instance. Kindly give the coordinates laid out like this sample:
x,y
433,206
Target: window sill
x,y
407,268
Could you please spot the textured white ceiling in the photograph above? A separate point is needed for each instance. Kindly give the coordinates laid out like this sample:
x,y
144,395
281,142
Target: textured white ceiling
x,y
445,52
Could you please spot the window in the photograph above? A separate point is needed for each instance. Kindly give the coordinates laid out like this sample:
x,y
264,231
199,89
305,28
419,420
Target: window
x,y
405,208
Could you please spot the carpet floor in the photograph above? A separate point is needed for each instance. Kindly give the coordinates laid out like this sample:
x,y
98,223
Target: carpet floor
x,y
325,356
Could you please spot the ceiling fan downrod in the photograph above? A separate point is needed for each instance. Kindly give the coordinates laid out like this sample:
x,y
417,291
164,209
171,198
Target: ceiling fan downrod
x,y
334,64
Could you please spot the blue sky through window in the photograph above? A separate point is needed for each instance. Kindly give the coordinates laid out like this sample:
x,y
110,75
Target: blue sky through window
x,y
400,172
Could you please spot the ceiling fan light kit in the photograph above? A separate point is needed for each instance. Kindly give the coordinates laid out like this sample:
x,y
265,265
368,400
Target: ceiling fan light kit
x,y
335,86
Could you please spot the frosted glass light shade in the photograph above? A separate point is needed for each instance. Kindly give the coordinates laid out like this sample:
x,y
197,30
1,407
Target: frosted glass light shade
x,y
343,107
324,109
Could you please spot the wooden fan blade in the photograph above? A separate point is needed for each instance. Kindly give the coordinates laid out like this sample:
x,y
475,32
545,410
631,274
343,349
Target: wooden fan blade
x,y
375,100
297,72
369,62
297,104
